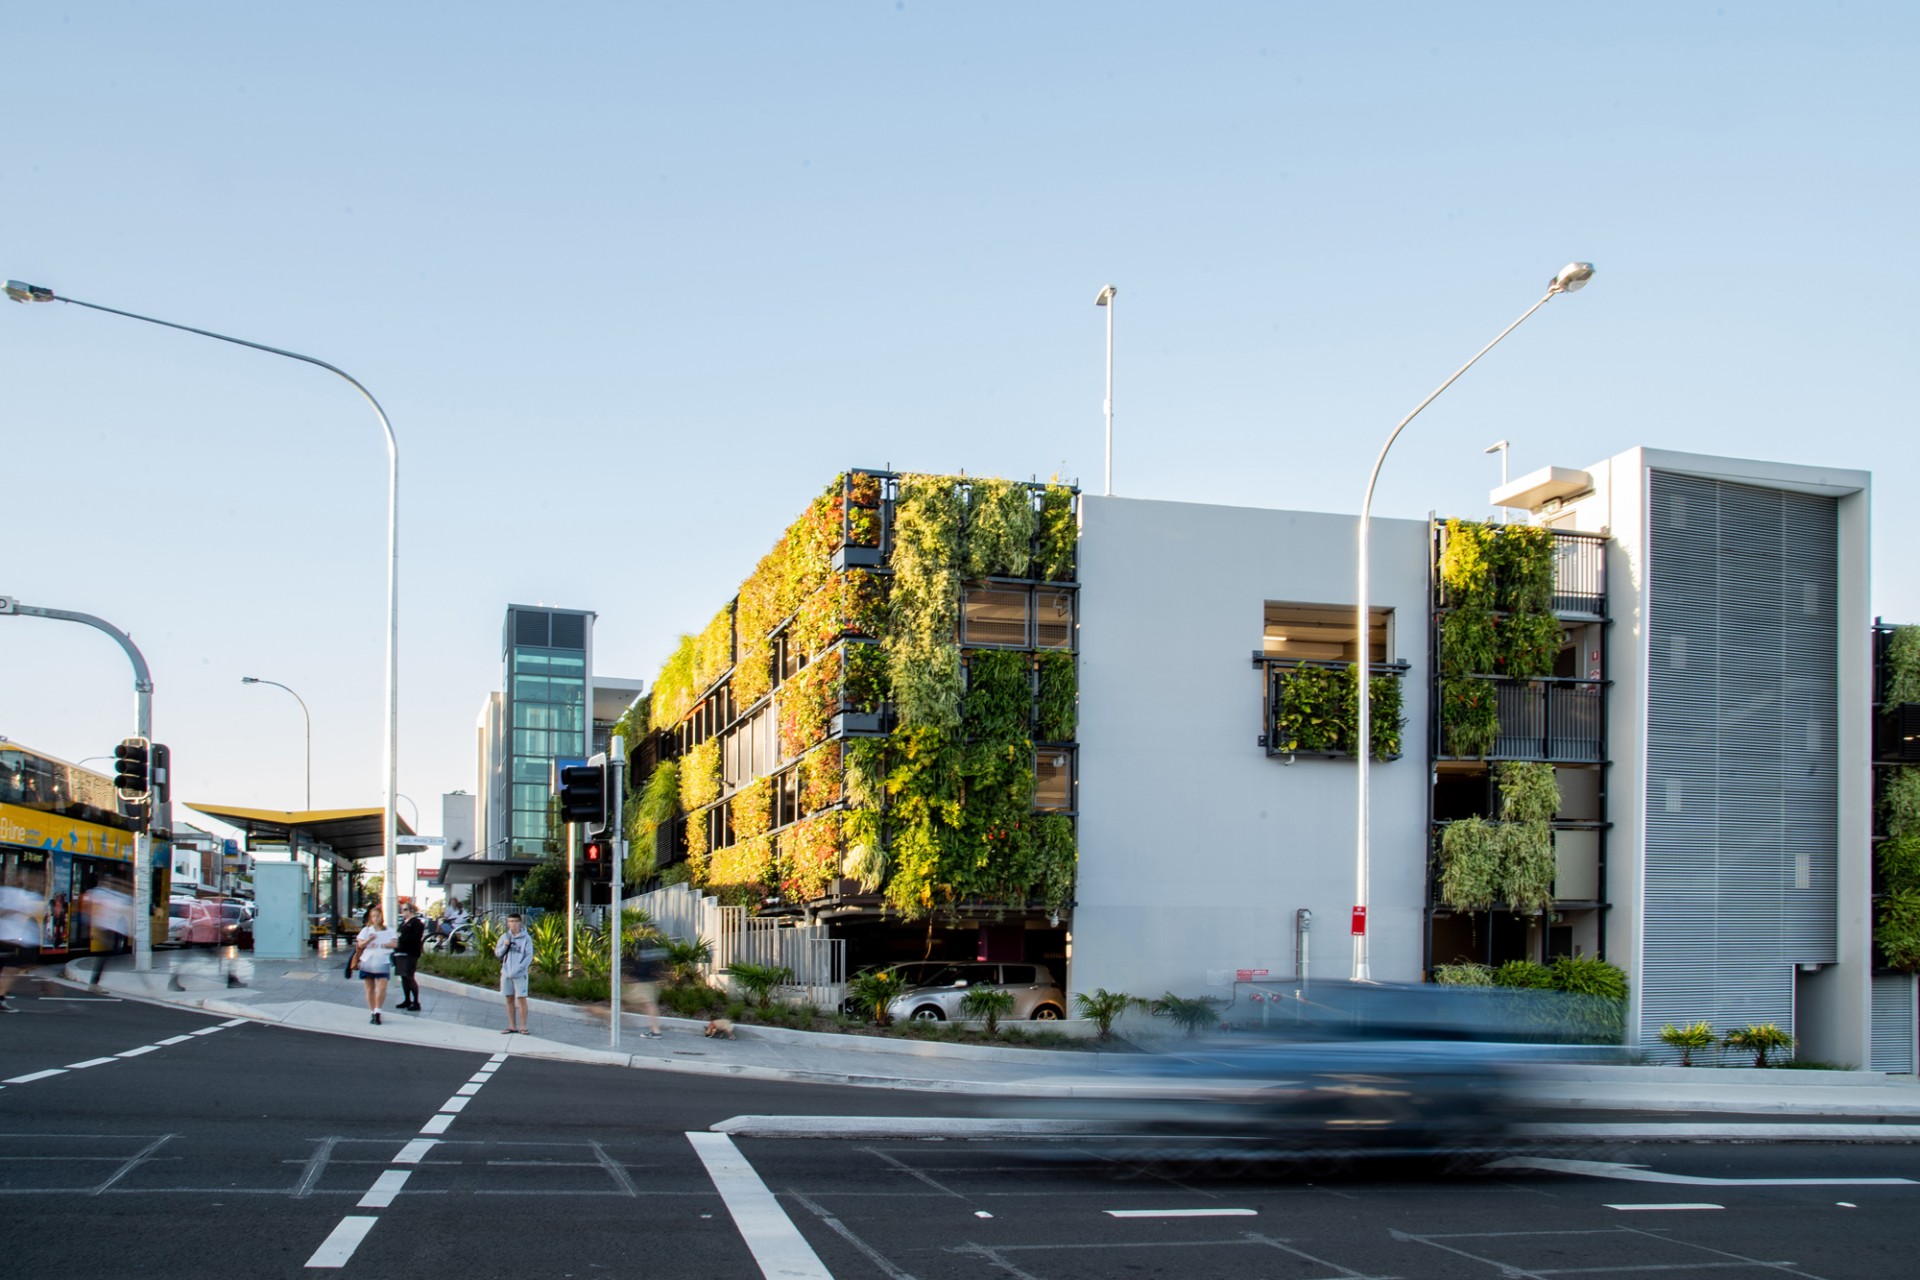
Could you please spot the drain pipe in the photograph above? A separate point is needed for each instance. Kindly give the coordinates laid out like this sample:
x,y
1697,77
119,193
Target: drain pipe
x,y
1302,928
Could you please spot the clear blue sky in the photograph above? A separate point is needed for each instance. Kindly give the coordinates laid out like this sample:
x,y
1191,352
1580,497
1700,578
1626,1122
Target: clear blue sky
x,y
645,276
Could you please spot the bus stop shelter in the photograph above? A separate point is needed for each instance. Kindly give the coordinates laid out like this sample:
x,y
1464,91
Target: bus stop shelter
x,y
331,843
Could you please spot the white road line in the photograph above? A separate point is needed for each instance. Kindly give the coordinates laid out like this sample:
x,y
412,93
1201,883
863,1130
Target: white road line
x,y
1182,1213
777,1245
134,1053
82,999
1630,1208
469,1089
37,1075
380,1195
205,1031
234,1022
437,1125
338,1247
90,1062
455,1105
174,1040
416,1151
1636,1173
497,1059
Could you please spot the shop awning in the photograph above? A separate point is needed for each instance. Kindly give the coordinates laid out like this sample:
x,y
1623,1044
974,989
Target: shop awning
x,y
352,834
459,871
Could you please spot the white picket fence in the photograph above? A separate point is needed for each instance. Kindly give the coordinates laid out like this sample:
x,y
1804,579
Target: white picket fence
x,y
818,961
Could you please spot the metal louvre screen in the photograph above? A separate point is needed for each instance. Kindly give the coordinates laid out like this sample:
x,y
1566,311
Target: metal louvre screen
x,y
1742,776
1893,1014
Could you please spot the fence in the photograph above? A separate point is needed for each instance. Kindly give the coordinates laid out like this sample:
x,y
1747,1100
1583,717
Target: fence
x,y
1558,720
818,962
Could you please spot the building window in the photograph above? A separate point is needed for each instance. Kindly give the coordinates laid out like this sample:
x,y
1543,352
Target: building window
x,y
996,616
1053,619
1323,633
1053,781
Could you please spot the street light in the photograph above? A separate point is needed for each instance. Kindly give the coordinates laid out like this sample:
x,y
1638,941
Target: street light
x,y
1106,300
309,718
20,291
1570,279
1500,447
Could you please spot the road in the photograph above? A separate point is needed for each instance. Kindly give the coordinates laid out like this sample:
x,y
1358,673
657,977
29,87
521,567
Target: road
x,y
141,1140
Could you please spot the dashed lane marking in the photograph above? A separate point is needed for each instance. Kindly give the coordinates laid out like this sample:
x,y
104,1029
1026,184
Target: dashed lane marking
x,y
30,1077
1638,1173
1182,1213
438,1124
204,1031
337,1248
385,1188
91,1062
134,1053
416,1151
174,1040
777,1245
1632,1208
455,1105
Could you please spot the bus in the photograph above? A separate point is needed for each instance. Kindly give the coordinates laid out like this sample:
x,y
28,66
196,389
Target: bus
x,y
62,834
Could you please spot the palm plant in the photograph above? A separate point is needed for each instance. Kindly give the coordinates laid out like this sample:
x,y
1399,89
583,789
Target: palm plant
x,y
1189,1012
871,992
1759,1041
1103,1006
760,980
486,934
1686,1039
549,944
990,1003
685,960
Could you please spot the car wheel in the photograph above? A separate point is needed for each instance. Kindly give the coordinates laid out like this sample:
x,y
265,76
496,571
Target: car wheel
x,y
929,1013
1048,1013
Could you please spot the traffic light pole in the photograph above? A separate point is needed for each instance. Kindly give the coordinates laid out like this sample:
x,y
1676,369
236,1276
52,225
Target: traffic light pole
x,y
143,728
616,790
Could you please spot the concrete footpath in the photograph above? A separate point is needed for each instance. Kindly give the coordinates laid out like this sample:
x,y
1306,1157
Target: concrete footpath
x,y
313,995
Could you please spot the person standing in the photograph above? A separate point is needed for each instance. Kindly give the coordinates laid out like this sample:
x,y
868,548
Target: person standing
x,y
515,953
406,955
373,957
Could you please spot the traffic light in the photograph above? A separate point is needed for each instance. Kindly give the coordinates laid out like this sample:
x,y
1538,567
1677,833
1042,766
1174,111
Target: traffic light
x,y
130,769
596,861
583,793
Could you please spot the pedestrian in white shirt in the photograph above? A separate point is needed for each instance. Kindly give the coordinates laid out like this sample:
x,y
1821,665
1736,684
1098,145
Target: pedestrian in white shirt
x,y
373,957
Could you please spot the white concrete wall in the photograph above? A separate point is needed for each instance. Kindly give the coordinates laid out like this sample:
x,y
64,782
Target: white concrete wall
x,y
1196,848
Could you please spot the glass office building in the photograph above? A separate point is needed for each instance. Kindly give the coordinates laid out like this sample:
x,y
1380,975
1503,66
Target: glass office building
x,y
546,658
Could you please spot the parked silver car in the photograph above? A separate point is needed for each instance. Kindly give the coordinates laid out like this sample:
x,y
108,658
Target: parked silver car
x,y
934,990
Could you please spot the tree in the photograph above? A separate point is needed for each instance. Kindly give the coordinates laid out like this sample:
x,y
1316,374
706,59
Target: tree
x,y
545,887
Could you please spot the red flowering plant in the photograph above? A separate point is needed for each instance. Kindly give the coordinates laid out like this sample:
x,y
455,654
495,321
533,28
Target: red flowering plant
x,y
863,487
820,775
807,705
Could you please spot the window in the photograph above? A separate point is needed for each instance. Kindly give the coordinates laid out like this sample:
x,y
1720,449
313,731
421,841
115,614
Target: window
x,y
1053,619
1323,632
1053,781
993,615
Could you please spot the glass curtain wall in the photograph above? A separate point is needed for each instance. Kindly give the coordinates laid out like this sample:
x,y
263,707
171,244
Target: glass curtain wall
x,y
549,723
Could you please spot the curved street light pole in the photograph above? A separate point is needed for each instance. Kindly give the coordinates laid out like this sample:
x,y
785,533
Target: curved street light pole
x,y
309,719
1571,278
21,292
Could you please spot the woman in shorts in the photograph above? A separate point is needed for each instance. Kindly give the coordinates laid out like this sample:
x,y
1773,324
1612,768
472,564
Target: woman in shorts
x,y
373,957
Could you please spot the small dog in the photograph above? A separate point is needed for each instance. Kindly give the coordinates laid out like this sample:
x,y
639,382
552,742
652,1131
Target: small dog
x,y
719,1028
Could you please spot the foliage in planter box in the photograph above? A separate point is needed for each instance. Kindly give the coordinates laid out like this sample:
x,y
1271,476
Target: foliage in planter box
x,y
1000,528
924,788
1059,709
863,489
655,804
745,863
999,697
866,858
1523,568
865,688
1057,853
1464,974
1903,665
713,650
1525,975
1529,791
1469,641
1896,928
1386,721
753,809
865,772
1469,716
1319,711
820,777
1470,864
851,603
1529,644
673,689
807,703
809,857
697,847
1058,533
1483,863
700,776
1467,563
923,653
1900,801
756,612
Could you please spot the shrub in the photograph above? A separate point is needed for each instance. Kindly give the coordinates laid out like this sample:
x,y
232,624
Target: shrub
x,y
990,1003
697,1000
1758,1040
1589,976
1527,975
760,980
545,886
1903,665
1687,1039
870,993
1463,974
1103,1006
1191,1013
685,959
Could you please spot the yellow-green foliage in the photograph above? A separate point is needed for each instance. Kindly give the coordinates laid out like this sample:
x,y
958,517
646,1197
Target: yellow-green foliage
x,y
713,650
673,688
700,776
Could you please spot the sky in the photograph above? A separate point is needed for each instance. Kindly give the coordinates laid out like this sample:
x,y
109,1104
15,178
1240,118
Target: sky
x,y
634,281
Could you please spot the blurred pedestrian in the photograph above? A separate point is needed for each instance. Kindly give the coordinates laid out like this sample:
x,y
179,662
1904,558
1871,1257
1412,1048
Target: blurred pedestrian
x,y
406,955
515,953
373,957
19,934
109,916
640,970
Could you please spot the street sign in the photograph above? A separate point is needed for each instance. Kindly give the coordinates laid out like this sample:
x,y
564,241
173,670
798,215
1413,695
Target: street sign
x,y
1248,975
1359,921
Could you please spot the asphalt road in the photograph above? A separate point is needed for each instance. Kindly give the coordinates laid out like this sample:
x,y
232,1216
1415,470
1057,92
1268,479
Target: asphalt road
x,y
245,1150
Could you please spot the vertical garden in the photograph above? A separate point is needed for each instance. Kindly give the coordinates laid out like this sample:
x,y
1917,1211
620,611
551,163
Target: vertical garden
x,y
829,732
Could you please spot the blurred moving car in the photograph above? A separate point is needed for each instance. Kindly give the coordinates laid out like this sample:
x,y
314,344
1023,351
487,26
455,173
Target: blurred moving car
x,y
934,989
210,922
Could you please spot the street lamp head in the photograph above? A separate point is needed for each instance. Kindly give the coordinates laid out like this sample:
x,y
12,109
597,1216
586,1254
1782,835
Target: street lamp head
x,y
249,679
1106,296
21,291
1572,278
1495,447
